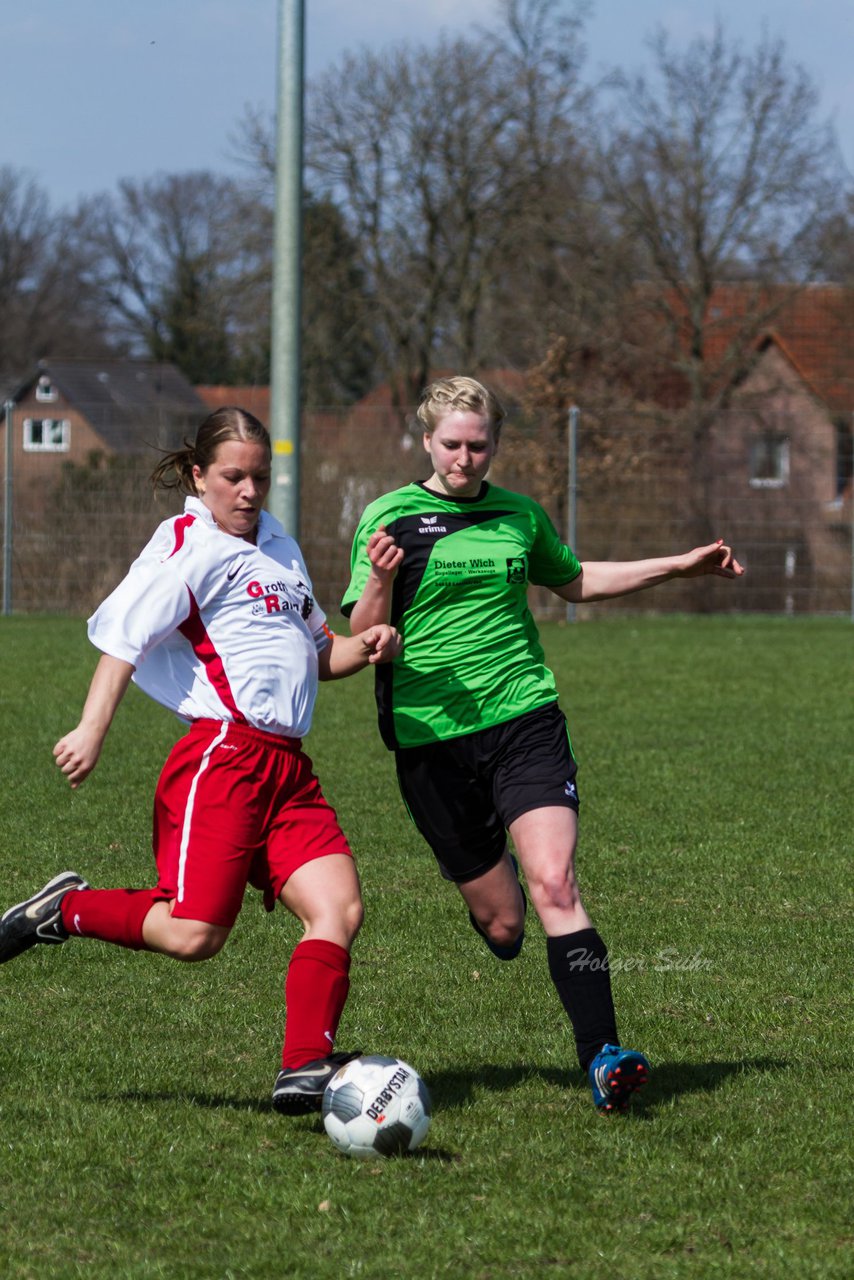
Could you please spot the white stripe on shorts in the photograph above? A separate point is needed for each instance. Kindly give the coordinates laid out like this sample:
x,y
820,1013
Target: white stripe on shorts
x,y
188,812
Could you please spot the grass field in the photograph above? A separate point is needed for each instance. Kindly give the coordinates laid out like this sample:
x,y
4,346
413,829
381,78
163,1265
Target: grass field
x,y
715,755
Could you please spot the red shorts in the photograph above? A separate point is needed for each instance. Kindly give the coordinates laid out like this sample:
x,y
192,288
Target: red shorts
x,y
236,806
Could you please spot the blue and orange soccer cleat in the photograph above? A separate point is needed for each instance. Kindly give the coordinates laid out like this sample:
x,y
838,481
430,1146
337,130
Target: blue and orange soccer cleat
x,y
615,1074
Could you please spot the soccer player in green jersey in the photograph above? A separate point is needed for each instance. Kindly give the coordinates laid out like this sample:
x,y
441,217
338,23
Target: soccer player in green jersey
x,y
470,709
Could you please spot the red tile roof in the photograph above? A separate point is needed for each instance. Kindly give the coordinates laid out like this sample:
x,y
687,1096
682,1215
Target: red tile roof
x,y
813,326
255,400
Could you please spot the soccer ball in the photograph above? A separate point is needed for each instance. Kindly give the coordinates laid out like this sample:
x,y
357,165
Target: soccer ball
x,y
376,1106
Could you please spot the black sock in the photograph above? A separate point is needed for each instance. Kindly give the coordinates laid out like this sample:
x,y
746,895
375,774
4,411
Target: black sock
x,y
578,964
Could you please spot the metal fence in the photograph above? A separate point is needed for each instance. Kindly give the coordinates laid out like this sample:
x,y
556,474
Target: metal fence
x,y
637,492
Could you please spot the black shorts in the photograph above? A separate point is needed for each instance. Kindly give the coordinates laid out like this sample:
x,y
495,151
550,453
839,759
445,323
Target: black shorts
x,y
463,793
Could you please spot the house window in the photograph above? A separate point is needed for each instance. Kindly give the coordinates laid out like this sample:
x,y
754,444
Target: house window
x,y
47,435
45,390
769,462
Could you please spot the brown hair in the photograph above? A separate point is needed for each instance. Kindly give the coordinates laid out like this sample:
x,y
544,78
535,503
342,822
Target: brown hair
x,y
450,394
175,469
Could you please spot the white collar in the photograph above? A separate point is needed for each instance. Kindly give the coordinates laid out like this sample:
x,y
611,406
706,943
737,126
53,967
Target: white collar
x,y
268,526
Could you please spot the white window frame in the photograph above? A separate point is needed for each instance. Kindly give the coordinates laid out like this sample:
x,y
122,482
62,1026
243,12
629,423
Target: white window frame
x,y
782,457
53,445
46,392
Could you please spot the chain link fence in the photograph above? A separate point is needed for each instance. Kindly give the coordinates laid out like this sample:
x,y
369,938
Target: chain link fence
x,y
640,490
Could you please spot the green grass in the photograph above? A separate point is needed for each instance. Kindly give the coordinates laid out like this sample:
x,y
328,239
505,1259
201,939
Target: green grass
x,y
136,1138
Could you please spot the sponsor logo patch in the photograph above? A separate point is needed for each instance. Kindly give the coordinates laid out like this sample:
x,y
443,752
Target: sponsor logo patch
x,y
516,569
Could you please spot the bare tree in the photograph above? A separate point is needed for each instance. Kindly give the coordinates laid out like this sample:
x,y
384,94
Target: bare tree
x,y
45,306
558,258
720,194
716,170
453,166
405,143
176,261
831,243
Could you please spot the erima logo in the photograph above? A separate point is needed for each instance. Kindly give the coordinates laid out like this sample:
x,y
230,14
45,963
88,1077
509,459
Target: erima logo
x,y
429,525
570,789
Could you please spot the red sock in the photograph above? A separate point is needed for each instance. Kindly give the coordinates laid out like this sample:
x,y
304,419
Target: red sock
x,y
113,915
316,988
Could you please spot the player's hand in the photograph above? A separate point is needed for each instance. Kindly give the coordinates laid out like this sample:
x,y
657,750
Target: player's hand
x,y
77,754
382,643
384,553
716,558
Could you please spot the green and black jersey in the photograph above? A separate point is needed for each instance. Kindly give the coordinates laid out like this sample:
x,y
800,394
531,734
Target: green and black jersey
x,y
471,656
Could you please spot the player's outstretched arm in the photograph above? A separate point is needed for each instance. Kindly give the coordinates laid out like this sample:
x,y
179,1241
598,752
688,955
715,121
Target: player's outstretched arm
x,y
605,579
346,655
77,753
374,604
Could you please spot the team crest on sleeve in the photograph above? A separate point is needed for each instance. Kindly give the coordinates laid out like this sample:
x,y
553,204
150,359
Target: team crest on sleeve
x,y
517,569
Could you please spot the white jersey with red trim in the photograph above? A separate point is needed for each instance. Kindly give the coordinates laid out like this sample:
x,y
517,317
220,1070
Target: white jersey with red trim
x,y
217,627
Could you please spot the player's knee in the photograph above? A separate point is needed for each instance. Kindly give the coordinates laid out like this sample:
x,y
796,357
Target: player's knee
x,y
339,921
554,891
353,916
503,924
504,931
195,940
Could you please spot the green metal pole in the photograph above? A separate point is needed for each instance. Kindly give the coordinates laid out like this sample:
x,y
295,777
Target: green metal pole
x,y
572,491
7,514
287,244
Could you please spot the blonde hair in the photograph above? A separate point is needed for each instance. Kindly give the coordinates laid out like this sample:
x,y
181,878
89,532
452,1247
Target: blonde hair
x,y
447,395
175,469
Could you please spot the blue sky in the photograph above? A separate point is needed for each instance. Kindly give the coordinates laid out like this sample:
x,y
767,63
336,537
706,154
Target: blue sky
x,y
97,90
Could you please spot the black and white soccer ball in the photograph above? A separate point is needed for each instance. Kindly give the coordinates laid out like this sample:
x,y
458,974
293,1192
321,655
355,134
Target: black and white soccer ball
x,y
376,1106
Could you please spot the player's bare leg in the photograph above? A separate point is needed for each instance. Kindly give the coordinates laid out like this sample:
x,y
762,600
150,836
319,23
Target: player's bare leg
x,y
181,939
497,906
325,896
545,841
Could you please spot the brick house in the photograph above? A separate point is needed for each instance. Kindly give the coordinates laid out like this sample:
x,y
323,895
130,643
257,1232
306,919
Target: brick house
x,y
781,452
780,473
68,410
777,467
770,467
85,437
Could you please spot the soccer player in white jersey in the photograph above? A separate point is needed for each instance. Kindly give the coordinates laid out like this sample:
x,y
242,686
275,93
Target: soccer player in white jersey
x,y
216,620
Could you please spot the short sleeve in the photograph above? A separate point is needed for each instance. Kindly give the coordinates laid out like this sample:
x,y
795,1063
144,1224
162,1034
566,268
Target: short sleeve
x,y
360,564
551,562
150,602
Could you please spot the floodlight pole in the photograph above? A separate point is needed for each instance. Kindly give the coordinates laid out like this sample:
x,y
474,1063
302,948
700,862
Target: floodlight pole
x,y
572,490
287,245
7,513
